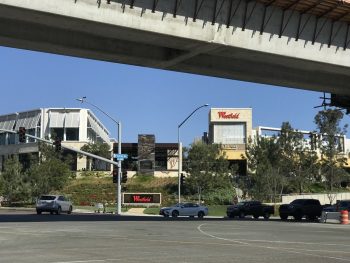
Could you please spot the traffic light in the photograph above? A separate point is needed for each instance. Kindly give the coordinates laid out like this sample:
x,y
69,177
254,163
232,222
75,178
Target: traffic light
x,y
22,134
57,144
124,177
115,176
182,179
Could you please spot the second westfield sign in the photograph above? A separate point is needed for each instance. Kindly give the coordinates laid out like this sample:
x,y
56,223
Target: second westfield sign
x,y
141,198
225,115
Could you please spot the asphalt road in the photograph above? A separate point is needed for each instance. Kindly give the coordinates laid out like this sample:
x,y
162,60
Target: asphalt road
x,y
89,238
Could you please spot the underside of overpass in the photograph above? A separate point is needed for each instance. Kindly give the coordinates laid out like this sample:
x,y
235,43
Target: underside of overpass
x,y
293,43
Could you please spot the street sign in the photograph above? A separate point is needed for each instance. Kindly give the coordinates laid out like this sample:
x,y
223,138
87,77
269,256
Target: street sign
x,y
120,157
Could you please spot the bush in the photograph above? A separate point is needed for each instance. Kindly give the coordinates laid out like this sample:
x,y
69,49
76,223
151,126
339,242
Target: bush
x,y
89,191
219,197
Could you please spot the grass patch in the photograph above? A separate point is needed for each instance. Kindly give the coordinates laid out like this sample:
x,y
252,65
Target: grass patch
x,y
217,210
152,211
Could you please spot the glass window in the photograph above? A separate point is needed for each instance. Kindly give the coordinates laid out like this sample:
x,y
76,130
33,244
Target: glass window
x,y
2,138
57,133
47,197
297,202
38,130
11,139
230,133
30,132
72,134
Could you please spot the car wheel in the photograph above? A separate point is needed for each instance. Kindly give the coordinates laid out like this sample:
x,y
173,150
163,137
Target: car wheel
x,y
58,211
200,214
283,216
311,218
256,216
266,215
166,215
175,213
38,212
70,210
241,215
298,216
231,215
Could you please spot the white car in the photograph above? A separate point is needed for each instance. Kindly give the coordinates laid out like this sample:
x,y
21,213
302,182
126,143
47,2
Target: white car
x,y
185,209
53,204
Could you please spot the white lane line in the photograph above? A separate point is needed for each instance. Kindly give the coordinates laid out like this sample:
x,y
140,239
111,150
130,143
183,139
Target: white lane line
x,y
89,261
276,241
220,238
290,250
81,261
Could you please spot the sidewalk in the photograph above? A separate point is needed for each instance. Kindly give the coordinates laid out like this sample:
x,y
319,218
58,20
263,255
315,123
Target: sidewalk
x,y
5,208
135,212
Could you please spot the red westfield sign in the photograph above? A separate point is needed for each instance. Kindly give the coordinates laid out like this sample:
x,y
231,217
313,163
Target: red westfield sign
x,y
225,115
142,199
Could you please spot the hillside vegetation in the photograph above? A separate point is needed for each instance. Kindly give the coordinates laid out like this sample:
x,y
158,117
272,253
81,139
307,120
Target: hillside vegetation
x,y
89,190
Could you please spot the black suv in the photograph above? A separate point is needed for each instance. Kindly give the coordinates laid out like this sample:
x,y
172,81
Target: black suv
x,y
299,208
343,205
254,208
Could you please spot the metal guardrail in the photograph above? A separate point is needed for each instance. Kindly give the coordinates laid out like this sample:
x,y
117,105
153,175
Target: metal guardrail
x,y
326,216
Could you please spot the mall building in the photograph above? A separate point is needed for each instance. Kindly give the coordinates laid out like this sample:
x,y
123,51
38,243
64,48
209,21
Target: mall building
x,y
75,126
232,127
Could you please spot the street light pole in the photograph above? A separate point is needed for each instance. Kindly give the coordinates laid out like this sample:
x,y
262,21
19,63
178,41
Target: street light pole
x,y
179,170
119,130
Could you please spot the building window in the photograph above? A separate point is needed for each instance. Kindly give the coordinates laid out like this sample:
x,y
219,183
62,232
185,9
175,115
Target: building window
x,y
72,134
91,135
57,133
31,132
2,138
232,133
11,139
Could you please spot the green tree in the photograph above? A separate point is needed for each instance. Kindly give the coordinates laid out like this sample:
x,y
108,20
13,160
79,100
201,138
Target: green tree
x,y
100,149
51,173
266,181
330,145
208,169
14,182
297,162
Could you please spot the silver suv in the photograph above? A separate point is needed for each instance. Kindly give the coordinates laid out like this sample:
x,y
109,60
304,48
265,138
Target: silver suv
x,y
53,204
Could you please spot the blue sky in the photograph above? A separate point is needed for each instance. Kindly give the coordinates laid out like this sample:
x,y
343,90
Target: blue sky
x,y
145,100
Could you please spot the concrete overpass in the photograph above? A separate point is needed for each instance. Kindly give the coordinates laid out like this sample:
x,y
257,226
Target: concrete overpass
x,y
293,43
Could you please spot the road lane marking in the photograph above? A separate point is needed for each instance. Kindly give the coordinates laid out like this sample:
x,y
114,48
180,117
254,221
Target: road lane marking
x,y
290,250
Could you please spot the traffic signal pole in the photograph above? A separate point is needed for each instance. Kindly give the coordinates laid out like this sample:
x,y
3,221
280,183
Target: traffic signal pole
x,y
119,189
68,148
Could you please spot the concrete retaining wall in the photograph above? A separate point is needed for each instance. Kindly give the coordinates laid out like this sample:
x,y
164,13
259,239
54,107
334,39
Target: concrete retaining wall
x,y
324,198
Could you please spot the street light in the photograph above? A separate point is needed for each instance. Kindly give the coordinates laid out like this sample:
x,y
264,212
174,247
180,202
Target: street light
x,y
179,170
82,100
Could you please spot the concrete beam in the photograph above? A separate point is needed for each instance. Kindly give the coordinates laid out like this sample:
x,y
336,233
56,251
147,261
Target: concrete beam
x,y
137,36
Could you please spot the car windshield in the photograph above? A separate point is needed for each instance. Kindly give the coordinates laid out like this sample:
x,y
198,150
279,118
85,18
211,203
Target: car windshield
x,y
47,197
241,203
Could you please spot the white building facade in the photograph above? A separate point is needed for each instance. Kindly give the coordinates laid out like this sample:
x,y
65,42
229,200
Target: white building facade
x,y
74,126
